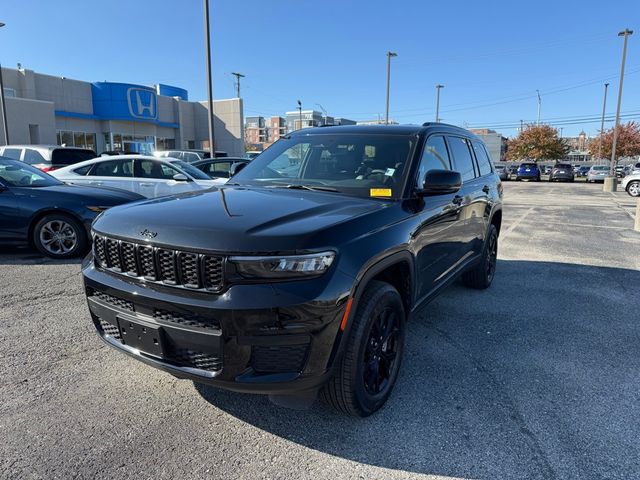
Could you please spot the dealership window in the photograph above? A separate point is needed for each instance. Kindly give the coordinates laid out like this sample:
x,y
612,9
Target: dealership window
x,y
165,143
9,92
76,139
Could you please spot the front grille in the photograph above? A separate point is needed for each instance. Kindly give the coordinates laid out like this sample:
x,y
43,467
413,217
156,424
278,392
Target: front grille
x,y
278,359
110,330
186,319
195,271
113,301
190,358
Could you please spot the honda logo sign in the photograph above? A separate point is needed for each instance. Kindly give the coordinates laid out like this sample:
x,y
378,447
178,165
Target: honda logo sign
x,y
142,103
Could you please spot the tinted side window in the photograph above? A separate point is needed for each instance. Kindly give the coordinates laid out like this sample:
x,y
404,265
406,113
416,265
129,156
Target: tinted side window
x,y
153,169
32,157
434,157
484,164
219,169
83,170
13,153
112,168
462,160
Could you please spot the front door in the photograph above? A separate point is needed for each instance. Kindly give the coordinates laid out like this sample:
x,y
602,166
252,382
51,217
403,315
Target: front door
x,y
154,178
12,223
435,240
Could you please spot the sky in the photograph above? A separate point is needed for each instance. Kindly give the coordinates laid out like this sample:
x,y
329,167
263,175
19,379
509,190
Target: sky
x,y
490,56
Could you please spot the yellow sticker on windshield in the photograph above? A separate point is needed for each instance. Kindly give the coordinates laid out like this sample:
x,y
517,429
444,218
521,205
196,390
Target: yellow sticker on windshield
x,y
379,192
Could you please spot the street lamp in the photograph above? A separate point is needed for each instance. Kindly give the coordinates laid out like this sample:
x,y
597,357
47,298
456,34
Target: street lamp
x,y
539,104
207,44
300,112
389,55
438,87
323,111
611,185
604,107
4,107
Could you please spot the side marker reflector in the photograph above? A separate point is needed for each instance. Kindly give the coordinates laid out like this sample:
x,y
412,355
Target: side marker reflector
x,y
345,317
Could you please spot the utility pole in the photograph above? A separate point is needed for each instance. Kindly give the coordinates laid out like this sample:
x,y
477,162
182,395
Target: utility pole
x,y
612,171
561,128
539,104
4,107
325,114
604,107
237,82
438,87
389,55
521,126
212,147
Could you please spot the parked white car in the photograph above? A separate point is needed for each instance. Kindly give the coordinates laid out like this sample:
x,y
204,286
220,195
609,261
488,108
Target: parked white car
x,y
147,176
597,173
631,184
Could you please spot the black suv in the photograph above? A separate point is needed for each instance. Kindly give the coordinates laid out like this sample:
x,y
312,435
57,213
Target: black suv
x,y
300,274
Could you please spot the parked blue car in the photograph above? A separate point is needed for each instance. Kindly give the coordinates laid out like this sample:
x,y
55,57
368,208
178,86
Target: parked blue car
x,y
54,217
528,171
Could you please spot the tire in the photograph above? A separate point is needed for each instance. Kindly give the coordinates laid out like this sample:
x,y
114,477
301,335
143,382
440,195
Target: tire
x,y
380,310
59,236
633,188
538,178
481,275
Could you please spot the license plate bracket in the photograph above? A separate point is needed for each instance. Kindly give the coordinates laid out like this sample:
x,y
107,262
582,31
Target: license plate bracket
x,y
142,336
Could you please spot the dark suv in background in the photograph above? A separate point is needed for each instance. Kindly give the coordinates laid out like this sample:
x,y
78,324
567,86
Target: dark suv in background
x,y
300,275
562,171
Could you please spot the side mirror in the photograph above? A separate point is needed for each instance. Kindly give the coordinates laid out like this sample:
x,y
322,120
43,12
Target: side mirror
x,y
440,182
236,167
2,188
180,177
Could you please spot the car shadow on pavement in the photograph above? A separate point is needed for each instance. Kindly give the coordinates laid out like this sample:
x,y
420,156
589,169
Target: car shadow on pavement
x,y
533,378
30,256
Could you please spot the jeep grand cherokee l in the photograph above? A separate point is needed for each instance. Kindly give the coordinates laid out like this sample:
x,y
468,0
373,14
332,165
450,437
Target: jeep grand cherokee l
x,y
300,275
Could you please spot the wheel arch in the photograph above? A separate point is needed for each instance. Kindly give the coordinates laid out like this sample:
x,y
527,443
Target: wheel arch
x,y
40,214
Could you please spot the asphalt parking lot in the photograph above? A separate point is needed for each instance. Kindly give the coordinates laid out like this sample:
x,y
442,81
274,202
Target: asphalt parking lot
x,y
535,378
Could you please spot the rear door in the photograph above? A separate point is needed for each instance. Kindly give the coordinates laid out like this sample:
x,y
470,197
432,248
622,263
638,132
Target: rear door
x,y
218,169
472,198
486,191
108,173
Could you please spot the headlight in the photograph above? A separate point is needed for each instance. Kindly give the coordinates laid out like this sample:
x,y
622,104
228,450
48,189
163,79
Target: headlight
x,y
97,209
293,266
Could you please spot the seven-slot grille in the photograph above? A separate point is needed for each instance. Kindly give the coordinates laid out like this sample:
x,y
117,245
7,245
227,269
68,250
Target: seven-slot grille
x,y
190,270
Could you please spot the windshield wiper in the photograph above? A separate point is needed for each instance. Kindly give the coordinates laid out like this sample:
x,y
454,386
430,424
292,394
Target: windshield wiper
x,y
319,188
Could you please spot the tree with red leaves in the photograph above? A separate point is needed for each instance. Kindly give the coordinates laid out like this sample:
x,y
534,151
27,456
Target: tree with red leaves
x,y
537,142
628,144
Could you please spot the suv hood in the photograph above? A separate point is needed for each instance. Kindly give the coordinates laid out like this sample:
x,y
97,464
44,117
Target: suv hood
x,y
243,219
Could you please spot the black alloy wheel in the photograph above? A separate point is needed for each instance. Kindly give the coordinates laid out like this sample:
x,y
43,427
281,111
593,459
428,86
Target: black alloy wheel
x,y
481,275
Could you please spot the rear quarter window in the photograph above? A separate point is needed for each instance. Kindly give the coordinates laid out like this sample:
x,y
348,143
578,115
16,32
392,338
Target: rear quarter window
x,y
484,163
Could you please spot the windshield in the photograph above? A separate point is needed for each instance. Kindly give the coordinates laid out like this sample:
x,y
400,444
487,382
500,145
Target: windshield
x,y
499,167
191,170
18,174
353,164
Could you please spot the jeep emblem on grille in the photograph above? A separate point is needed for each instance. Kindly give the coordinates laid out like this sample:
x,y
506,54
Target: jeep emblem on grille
x,y
148,233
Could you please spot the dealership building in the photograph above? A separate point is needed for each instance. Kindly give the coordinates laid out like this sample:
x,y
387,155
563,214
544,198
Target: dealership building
x,y
47,109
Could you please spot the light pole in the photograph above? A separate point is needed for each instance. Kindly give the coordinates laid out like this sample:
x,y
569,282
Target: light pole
x,y
389,55
238,77
325,113
207,43
561,128
521,126
300,113
4,107
612,184
438,87
604,107
539,104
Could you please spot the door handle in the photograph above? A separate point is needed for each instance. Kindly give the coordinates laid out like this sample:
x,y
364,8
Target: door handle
x,y
95,183
457,200
486,189
146,184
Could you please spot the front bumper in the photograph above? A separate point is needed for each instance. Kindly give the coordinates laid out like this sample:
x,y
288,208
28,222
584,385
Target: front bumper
x,y
263,338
